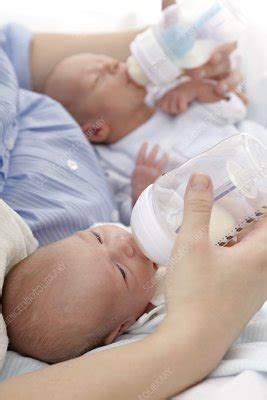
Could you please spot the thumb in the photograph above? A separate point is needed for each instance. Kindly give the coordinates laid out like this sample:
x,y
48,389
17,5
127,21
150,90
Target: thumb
x,y
198,204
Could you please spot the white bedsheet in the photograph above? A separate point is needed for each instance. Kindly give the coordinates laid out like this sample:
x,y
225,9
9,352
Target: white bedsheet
x,y
246,386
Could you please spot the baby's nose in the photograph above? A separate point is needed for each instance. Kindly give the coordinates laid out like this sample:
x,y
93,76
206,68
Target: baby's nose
x,y
113,66
126,245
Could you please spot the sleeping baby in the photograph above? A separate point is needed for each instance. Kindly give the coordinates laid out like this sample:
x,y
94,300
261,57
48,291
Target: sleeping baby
x,y
76,294
127,133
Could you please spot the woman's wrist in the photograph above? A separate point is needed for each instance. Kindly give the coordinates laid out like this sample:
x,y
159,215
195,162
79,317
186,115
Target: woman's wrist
x,y
189,349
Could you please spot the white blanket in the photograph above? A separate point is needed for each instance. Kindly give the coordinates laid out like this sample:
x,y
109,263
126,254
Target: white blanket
x,y
17,242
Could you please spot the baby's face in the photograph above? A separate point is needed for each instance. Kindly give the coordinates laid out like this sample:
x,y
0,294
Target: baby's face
x,y
100,291
115,255
98,87
107,88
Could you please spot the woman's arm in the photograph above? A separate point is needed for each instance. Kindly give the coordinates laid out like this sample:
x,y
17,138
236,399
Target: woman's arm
x,y
48,49
170,361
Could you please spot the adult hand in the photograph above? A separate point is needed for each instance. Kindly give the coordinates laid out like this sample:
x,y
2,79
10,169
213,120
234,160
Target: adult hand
x,y
214,289
219,68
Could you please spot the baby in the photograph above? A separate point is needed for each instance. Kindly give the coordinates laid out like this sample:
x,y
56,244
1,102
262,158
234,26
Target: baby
x,y
76,294
113,114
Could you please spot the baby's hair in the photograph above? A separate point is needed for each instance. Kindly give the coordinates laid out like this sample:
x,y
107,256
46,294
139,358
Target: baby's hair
x,y
28,329
56,87
63,85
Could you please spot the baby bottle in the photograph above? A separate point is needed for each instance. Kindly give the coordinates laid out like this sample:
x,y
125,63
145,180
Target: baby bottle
x,y
183,39
238,169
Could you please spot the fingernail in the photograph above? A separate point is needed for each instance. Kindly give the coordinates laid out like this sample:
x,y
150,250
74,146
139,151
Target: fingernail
x,y
200,181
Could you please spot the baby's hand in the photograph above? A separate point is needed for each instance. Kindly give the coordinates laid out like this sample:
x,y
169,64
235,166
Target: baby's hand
x,y
147,169
177,100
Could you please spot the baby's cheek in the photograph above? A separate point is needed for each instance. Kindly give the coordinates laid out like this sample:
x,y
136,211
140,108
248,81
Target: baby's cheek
x,y
148,283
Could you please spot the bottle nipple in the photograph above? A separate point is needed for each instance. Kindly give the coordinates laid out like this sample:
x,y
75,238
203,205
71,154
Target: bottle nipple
x,y
135,72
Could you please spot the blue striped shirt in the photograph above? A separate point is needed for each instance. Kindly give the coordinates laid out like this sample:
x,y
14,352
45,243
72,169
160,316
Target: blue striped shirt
x,y
49,172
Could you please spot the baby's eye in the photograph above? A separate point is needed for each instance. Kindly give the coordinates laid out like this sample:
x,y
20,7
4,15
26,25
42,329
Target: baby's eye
x,y
122,272
99,238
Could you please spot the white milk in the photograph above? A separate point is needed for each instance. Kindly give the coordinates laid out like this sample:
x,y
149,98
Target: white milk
x,y
238,169
221,223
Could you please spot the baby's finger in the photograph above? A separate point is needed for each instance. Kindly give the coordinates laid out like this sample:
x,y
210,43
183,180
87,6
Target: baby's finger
x,y
163,104
151,158
161,164
174,107
230,83
179,104
183,105
169,105
141,156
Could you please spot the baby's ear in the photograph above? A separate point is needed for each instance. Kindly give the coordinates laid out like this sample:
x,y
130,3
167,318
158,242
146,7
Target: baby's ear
x,y
96,132
118,331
